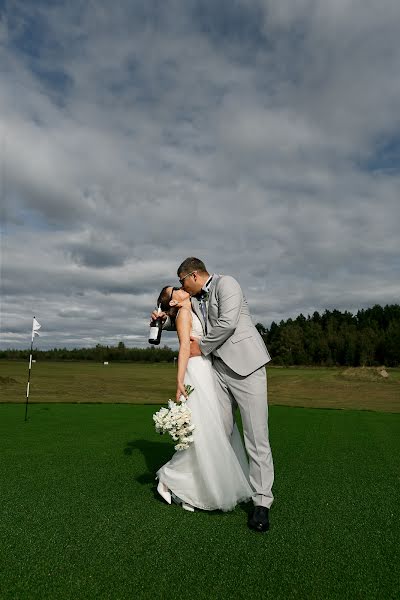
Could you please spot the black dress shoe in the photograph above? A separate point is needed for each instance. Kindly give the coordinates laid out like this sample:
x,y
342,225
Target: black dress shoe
x,y
259,520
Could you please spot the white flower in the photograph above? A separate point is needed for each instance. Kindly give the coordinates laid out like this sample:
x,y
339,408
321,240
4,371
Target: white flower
x,y
177,421
181,446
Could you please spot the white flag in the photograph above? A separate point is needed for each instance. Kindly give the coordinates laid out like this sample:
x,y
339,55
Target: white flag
x,y
35,328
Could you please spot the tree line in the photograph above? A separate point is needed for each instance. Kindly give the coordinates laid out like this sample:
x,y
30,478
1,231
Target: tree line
x,y
370,337
99,353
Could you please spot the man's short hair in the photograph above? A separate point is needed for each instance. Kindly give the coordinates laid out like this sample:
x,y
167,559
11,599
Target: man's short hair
x,y
192,264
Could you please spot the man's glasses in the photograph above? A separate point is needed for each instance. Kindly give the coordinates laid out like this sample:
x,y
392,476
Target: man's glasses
x,y
183,278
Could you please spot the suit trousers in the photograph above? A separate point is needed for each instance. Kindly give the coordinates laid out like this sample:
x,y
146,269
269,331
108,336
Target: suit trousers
x,y
249,393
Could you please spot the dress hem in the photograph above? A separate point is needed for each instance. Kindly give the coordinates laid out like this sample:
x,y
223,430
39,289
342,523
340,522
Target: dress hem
x,y
228,508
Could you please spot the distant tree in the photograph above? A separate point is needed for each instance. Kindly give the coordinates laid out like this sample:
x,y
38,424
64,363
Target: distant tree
x,y
261,329
370,337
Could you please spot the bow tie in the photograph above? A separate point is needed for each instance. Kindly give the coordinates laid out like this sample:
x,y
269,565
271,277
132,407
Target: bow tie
x,y
202,295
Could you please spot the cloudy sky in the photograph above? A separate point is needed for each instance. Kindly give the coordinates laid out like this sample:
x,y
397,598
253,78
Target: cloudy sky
x,y
261,136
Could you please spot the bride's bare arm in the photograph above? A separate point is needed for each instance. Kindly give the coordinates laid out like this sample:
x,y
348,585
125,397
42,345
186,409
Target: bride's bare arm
x,y
183,327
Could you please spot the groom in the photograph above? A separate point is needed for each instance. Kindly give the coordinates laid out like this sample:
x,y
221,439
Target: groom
x,y
239,356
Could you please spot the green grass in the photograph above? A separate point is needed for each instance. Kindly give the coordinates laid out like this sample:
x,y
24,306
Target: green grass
x,y
80,518
154,383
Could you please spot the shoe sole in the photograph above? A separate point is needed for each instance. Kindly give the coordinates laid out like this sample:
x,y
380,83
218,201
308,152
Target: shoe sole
x,y
258,528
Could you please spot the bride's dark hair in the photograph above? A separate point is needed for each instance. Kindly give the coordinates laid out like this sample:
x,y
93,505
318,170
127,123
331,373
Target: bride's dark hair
x,y
165,298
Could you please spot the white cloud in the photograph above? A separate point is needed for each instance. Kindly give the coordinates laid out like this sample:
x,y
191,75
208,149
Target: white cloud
x,y
253,138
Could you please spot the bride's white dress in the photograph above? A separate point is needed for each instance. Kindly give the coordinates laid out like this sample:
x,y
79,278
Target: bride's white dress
x,y
213,472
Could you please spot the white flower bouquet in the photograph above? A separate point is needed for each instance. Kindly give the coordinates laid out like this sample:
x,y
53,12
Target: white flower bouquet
x,y
177,421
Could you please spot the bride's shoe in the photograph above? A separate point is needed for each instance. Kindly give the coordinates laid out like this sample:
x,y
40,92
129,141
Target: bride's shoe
x,y
163,490
184,505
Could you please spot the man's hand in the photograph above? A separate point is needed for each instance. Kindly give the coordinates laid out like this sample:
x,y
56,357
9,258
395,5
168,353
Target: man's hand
x,y
194,347
155,315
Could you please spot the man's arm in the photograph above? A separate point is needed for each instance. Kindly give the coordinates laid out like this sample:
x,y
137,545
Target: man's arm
x,y
230,297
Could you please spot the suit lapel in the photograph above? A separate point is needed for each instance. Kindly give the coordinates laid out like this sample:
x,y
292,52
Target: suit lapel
x,y
197,311
213,282
196,304
211,297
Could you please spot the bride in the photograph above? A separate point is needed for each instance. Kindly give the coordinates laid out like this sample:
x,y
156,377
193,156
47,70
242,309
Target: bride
x,y
213,472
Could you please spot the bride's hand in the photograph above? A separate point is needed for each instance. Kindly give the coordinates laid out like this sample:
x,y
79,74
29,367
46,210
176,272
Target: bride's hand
x,y
180,391
155,315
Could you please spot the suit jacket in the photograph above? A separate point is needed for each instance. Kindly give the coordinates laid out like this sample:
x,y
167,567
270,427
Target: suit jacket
x,y
231,335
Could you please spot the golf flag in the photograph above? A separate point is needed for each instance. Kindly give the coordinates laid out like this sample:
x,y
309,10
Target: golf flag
x,y
35,331
35,328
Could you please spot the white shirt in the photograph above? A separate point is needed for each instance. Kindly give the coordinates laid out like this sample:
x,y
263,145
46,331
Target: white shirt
x,y
206,286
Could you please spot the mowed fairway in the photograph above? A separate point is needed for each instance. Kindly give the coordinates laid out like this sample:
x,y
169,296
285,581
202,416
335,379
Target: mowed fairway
x,y
154,383
80,518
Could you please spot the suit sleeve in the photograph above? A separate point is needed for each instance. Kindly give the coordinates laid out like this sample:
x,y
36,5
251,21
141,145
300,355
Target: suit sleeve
x,y
229,298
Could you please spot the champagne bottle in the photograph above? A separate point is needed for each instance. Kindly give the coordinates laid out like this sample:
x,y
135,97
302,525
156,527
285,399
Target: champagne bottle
x,y
156,329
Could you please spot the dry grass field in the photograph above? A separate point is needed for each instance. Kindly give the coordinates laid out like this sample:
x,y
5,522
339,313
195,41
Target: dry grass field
x,y
81,382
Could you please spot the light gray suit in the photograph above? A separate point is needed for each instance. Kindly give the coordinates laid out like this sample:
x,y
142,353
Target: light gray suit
x,y
239,356
232,335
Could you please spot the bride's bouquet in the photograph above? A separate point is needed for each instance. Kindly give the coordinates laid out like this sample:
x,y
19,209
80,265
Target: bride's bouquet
x,y
177,421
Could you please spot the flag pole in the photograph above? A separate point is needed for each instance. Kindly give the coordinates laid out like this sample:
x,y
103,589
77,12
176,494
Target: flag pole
x,y
35,327
29,381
